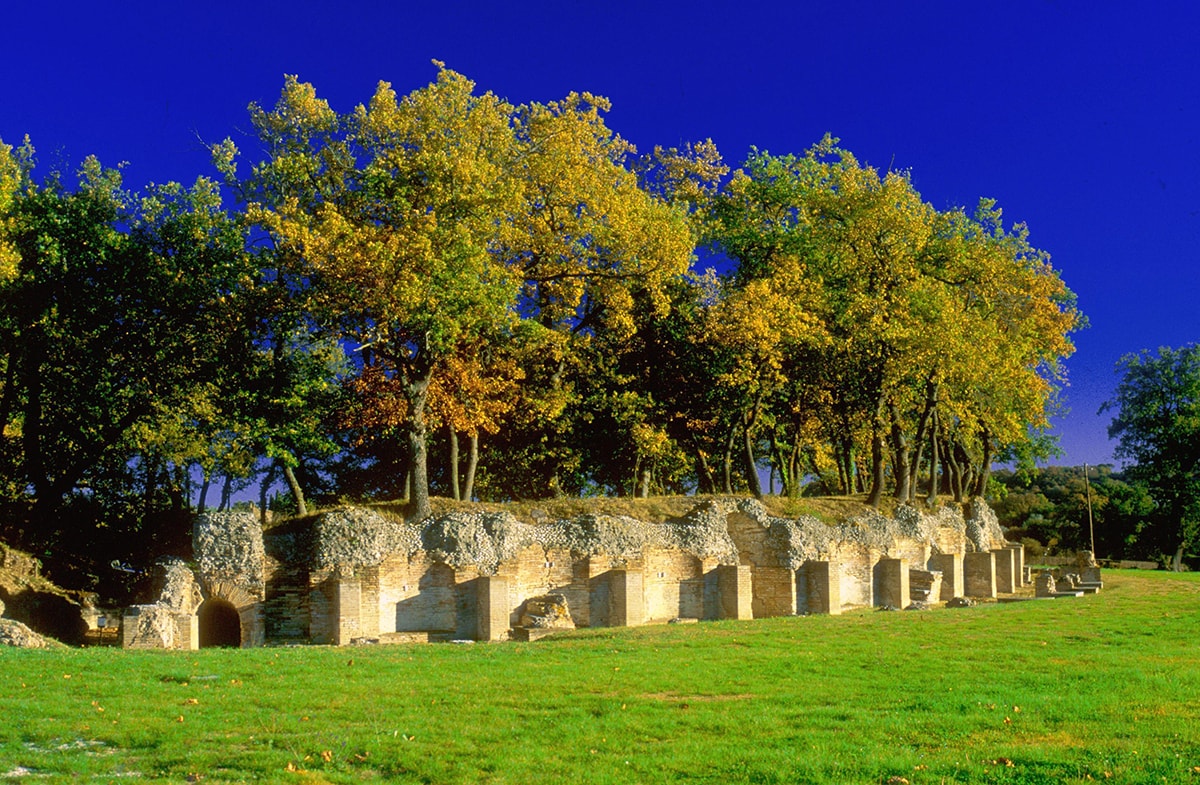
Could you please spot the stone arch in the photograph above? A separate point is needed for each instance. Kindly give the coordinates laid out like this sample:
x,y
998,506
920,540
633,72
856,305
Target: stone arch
x,y
220,624
249,610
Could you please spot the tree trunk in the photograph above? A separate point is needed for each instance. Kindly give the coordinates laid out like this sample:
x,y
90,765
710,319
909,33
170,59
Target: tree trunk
x,y
748,453
778,461
704,473
1177,562
954,471
294,485
985,465
264,488
845,464
727,459
877,473
931,500
643,485
794,470
226,492
919,438
204,486
468,492
900,453
452,468
416,390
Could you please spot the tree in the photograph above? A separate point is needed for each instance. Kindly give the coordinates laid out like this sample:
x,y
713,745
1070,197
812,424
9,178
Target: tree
x,y
1157,427
119,308
391,215
595,251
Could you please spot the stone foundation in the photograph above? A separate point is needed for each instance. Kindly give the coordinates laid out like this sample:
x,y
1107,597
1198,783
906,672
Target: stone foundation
x,y
352,575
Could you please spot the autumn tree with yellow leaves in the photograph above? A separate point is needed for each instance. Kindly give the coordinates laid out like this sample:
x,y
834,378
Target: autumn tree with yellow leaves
x,y
921,327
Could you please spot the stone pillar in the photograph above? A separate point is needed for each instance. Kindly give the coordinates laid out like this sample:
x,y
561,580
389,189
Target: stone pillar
x,y
347,610
187,631
979,574
735,586
626,598
1019,562
950,565
1006,574
891,578
492,611
924,585
823,585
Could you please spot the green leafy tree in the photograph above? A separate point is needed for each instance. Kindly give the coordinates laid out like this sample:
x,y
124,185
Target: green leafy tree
x,y
390,215
1157,428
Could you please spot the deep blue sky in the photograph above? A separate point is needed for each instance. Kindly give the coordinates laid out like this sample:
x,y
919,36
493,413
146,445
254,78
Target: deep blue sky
x,y
1080,118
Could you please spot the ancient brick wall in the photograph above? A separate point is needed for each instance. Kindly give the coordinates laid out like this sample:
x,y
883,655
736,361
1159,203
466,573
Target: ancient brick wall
x,y
354,575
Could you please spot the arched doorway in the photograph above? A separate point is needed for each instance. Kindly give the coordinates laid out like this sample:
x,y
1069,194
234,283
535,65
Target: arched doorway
x,y
220,624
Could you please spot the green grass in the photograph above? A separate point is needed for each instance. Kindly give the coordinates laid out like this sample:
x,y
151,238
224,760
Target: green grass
x,y
1099,688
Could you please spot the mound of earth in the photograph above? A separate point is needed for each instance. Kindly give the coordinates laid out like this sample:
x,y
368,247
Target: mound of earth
x,y
36,613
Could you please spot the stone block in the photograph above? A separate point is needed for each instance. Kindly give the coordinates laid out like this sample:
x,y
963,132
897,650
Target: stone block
x,y
1019,563
979,574
1044,585
823,587
735,587
159,627
1006,574
626,598
492,611
891,583
347,610
950,565
924,585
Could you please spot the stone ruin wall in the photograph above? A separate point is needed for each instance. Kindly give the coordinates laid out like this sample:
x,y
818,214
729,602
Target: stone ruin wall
x,y
352,575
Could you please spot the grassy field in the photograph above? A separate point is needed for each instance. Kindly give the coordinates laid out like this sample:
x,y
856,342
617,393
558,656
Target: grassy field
x,y
1099,688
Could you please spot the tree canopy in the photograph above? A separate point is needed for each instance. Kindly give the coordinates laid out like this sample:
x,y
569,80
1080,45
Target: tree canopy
x,y
1157,428
443,268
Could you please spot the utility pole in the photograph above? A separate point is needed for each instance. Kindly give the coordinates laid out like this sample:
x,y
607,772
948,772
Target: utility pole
x,y
1091,529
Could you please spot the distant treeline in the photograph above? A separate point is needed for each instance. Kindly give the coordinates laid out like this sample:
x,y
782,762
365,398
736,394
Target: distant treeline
x,y
1049,506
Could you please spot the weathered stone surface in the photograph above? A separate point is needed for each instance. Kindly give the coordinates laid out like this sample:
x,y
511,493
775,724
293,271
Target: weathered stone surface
x,y
547,612
983,527
807,538
156,627
18,566
358,537
1,607
485,539
177,586
354,573
1044,585
960,602
229,548
14,633
925,586
479,539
